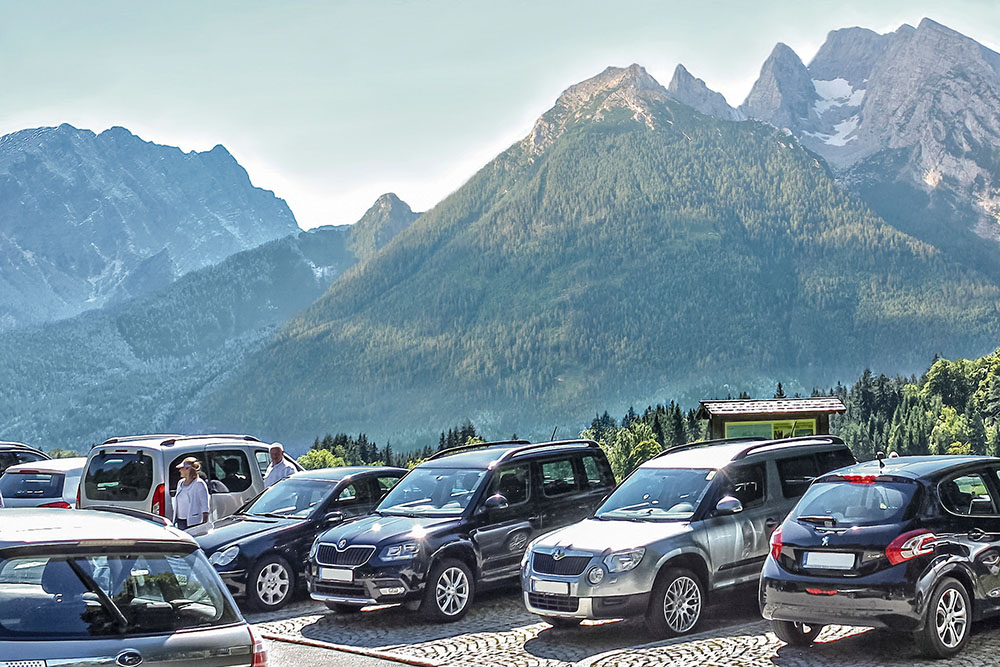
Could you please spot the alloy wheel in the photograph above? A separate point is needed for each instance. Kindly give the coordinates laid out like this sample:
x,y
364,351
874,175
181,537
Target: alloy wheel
x,y
272,584
682,604
452,591
951,618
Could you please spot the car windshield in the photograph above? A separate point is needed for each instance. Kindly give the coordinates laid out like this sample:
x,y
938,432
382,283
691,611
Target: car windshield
x,y
295,498
432,492
855,503
48,596
657,494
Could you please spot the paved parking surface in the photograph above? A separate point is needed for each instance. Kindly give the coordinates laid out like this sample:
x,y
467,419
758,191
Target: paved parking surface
x,y
498,631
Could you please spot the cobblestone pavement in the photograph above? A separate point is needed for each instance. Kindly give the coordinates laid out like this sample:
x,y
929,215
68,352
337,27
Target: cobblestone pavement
x,y
498,631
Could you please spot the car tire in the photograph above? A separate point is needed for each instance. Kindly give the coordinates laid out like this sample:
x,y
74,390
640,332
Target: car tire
x,y
947,620
562,621
342,608
676,603
796,634
270,583
449,591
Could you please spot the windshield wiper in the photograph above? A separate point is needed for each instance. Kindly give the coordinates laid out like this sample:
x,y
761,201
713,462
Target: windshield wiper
x,y
819,520
106,602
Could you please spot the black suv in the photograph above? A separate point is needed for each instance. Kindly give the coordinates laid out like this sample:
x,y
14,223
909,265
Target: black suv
x,y
457,522
911,544
12,453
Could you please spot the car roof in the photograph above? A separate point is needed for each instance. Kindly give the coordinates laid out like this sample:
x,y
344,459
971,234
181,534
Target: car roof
x,y
343,472
716,454
916,467
486,455
21,446
51,465
24,527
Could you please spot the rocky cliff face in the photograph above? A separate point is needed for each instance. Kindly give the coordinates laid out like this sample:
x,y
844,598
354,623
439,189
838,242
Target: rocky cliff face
x,y
87,219
685,88
386,218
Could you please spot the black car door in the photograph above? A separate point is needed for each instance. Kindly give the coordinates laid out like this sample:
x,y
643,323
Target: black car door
x,y
503,533
562,500
971,503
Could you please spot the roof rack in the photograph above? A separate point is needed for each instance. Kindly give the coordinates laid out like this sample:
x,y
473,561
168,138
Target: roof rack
x,y
133,438
478,445
517,451
818,439
708,443
167,439
134,513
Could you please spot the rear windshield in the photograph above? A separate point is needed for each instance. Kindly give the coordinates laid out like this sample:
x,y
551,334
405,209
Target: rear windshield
x,y
32,485
119,476
57,596
857,503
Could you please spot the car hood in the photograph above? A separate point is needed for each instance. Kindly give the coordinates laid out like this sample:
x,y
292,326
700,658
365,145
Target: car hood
x,y
600,536
239,527
379,530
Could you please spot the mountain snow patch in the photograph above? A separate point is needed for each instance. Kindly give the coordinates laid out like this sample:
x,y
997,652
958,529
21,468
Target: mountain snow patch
x,y
841,132
836,93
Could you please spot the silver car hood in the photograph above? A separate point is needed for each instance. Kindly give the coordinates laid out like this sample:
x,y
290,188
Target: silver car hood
x,y
596,536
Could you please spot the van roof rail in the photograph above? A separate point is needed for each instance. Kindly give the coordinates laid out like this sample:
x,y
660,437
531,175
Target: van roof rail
x,y
708,443
134,513
476,445
823,439
133,438
554,444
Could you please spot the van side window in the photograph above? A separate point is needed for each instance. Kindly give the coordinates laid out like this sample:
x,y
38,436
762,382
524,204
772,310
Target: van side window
x,y
174,475
796,474
597,472
558,477
263,461
746,484
230,468
832,460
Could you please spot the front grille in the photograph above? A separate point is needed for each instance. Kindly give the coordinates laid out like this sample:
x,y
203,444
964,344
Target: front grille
x,y
341,590
329,554
553,602
566,566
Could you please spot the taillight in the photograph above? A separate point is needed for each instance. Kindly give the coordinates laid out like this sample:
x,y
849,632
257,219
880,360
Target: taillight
x,y
159,504
909,546
776,543
860,479
78,495
259,651
59,503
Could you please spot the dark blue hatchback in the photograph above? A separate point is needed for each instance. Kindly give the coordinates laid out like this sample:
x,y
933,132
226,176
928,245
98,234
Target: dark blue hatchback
x,y
910,544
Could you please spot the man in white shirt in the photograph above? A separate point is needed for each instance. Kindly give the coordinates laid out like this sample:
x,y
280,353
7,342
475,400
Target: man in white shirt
x,y
279,468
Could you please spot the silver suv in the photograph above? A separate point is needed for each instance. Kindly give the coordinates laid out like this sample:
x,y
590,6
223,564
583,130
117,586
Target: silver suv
x,y
102,588
694,519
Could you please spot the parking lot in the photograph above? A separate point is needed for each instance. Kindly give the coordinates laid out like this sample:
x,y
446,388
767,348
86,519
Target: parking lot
x,y
498,631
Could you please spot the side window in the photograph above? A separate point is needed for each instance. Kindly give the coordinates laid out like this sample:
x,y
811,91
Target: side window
x,y
514,483
27,457
597,472
796,474
355,493
6,461
746,484
558,477
263,461
385,484
174,475
229,468
832,460
967,495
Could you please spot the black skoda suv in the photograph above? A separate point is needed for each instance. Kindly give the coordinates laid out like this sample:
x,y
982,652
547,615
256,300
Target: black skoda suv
x,y
911,544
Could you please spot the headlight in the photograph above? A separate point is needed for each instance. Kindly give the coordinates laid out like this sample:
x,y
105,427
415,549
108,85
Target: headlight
x,y
224,557
596,575
313,550
525,558
623,561
400,551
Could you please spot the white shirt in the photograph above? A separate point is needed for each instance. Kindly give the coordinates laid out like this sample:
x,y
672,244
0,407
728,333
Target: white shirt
x,y
191,501
277,472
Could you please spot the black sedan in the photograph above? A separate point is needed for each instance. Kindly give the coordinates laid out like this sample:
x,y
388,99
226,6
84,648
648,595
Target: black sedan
x,y
261,551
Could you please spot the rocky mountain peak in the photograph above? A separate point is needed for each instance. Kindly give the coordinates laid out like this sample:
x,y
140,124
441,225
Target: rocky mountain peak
x,y
783,95
687,89
386,218
850,54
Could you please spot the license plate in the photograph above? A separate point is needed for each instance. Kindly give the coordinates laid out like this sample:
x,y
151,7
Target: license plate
x,y
825,560
551,587
336,574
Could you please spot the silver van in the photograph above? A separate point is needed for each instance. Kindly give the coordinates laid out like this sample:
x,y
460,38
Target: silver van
x,y
693,520
103,588
140,472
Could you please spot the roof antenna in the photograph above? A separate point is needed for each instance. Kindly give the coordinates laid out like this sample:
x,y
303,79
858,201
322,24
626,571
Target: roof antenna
x,y
881,461
554,433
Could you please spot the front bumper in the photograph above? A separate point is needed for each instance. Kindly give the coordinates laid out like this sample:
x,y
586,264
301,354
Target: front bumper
x,y
882,600
236,581
607,606
370,584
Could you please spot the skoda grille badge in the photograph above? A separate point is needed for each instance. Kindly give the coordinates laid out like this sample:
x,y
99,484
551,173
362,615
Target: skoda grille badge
x,y
343,543
558,554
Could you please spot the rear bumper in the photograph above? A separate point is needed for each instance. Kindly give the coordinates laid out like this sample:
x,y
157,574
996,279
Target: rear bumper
x,y
884,600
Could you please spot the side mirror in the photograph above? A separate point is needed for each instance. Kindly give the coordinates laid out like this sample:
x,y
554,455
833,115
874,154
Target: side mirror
x,y
333,517
496,502
728,505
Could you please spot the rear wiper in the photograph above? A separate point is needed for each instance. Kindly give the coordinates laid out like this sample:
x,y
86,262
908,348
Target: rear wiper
x,y
105,601
819,520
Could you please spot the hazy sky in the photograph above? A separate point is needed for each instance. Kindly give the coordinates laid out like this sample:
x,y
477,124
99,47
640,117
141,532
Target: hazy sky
x,y
330,104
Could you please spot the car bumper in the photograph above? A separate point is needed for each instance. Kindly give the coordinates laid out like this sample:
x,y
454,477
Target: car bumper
x,y
236,582
369,585
881,600
598,607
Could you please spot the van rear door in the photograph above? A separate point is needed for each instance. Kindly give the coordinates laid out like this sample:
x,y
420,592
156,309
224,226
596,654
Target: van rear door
x,y
123,477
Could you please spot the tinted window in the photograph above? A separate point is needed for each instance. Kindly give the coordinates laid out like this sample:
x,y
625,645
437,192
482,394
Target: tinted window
x,y
386,483
855,504
119,476
796,474
432,492
832,460
746,484
174,474
356,493
31,485
8,459
231,469
292,497
512,483
967,495
558,477
597,472
50,596
263,461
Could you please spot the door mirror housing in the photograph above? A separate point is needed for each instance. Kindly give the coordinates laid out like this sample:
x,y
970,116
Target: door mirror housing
x,y
728,505
333,517
497,501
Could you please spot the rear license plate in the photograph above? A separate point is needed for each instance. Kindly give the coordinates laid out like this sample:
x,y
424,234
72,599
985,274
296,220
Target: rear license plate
x,y
825,560
551,587
336,574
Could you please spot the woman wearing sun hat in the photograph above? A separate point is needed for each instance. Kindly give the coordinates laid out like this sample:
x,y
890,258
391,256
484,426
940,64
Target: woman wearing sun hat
x,y
191,502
